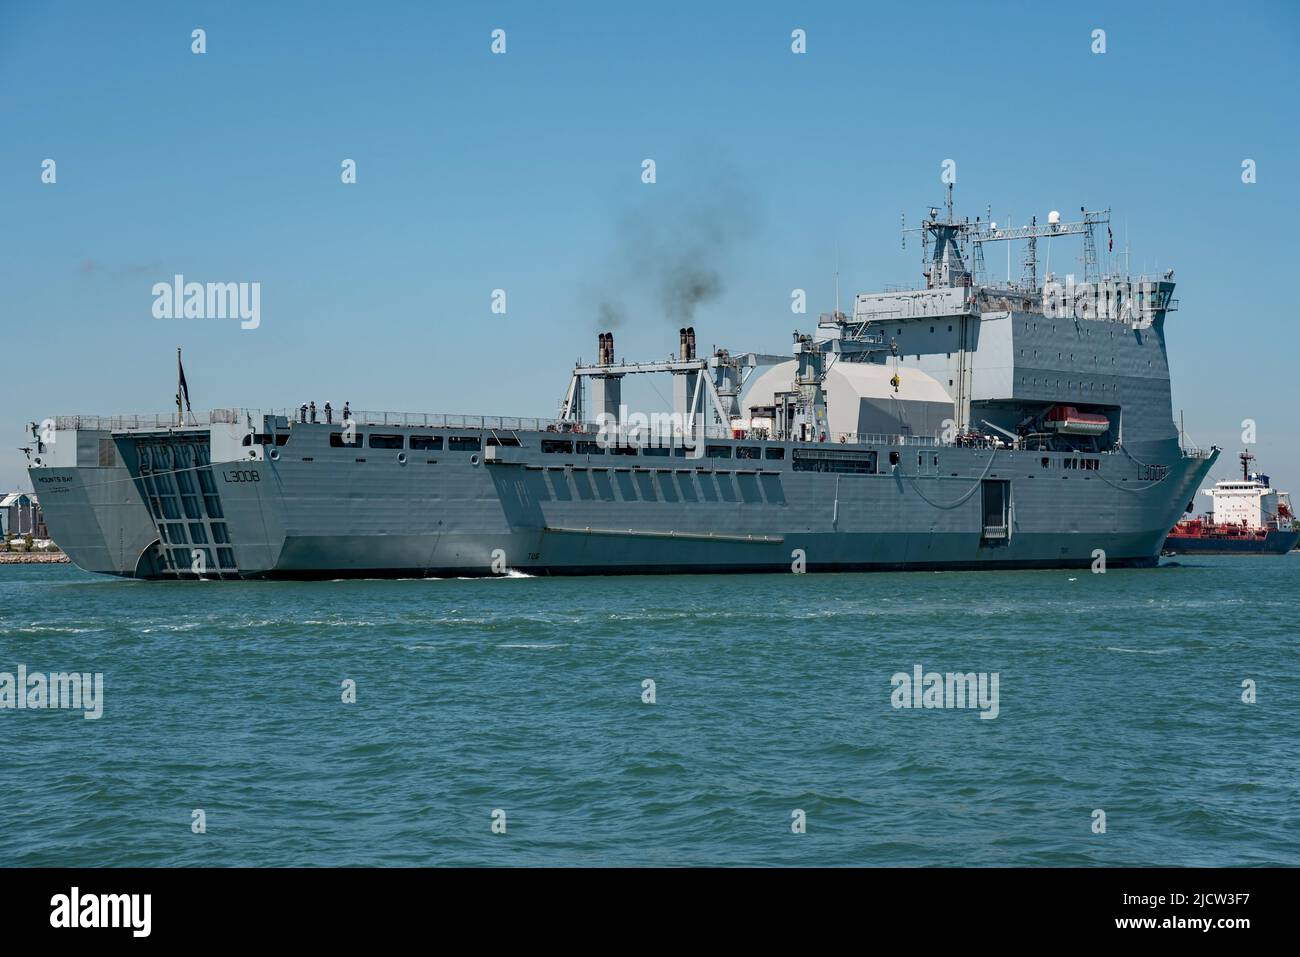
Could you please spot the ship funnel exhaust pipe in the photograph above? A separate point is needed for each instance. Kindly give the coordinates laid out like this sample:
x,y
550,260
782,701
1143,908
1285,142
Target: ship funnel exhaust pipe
x,y
605,349
686,341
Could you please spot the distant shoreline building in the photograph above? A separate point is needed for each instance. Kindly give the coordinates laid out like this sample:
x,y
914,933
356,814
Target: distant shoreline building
x,y
20,513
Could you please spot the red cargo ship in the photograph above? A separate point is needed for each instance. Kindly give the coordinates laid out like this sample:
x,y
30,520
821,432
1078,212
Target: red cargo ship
x,y
1249,517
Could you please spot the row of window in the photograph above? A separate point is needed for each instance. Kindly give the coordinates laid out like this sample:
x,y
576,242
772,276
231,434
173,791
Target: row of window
x,y
1086,464
1080,386
568,447
417,443
265,438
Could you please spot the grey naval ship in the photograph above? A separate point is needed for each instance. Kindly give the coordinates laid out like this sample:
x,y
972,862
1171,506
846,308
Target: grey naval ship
x,y
963,424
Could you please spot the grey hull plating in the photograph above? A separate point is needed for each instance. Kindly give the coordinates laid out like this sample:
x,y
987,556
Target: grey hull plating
x,y
319,511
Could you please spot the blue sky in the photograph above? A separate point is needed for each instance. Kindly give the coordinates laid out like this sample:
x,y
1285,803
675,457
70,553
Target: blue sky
x,y
523,172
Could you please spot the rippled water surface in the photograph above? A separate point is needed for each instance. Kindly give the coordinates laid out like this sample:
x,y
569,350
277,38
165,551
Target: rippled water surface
x,y
1120,692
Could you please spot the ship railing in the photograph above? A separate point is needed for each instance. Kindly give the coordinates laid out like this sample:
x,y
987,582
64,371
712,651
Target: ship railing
x,y
918,309
369,418
118,423
435,420
1192,452
861,438
661,438
234,416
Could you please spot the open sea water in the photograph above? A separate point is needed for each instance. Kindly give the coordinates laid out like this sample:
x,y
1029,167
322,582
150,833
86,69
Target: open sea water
x,y
1120,692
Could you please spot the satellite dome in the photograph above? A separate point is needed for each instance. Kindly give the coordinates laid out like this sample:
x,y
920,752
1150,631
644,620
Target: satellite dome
x,y
1054,218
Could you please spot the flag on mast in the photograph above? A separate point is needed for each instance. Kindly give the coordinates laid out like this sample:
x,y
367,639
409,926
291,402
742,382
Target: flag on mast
x,y
1110,240
182,388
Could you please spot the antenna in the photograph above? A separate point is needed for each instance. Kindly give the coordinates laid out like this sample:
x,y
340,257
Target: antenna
x,y
1009,222
1030,275
837,281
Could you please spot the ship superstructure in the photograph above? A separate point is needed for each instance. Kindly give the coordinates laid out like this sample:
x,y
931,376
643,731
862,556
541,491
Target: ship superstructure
x,y
962,424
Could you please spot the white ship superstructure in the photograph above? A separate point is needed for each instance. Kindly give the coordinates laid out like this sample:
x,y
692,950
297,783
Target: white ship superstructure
x,y
1251,502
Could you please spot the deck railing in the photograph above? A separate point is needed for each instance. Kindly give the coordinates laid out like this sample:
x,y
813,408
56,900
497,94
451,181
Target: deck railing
x,y
110,423
504,423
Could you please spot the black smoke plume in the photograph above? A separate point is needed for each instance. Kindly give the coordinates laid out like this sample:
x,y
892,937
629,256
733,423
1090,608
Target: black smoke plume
x,y
675,245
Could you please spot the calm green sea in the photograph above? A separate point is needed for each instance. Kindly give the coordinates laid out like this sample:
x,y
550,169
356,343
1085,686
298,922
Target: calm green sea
x,y
1120,693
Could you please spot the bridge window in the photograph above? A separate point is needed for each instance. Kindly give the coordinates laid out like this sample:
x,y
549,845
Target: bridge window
x,y
557,445
381,441
337,440
590,448
718,451
747,452
464,443
774,452
426,443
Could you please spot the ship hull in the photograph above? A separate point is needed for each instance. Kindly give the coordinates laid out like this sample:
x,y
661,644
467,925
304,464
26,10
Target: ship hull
x,y
317,511
1273,543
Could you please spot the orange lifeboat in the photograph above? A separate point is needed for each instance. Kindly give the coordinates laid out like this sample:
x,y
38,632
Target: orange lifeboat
x,y
1067,420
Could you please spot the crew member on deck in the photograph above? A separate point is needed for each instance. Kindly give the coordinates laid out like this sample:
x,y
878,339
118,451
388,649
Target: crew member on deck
x,y
329,413
313,411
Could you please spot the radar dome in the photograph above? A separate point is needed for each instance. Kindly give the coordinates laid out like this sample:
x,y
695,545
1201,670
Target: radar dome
x,y
1054,218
